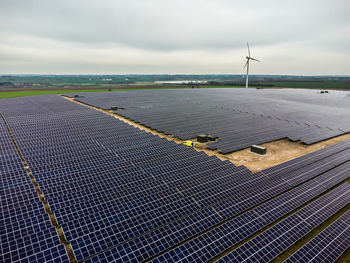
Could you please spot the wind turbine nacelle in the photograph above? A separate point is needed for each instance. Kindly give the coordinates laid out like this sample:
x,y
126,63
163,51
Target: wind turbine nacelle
x,y
247,57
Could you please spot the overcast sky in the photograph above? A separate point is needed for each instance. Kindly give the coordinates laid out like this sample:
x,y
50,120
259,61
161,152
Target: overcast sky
x,y
179,36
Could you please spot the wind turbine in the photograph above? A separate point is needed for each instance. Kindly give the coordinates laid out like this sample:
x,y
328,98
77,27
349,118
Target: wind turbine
x,y
247,65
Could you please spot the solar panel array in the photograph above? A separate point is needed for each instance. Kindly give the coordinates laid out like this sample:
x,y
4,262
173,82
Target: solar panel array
x,y
26,233
327,246
123,195
239,117
271,243
218,240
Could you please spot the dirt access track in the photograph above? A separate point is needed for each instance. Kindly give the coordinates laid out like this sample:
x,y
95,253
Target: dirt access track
x,y
277,151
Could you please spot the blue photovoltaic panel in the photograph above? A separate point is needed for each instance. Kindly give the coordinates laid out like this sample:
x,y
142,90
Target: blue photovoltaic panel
x,y
328,245
134,189
219,239
120,193
26,233
281,236
239,117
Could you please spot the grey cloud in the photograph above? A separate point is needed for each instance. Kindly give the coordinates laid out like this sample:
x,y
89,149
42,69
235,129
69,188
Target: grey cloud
x,y
162,27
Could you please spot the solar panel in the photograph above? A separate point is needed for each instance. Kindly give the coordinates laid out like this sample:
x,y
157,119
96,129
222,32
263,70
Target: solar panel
x,y
219,239
183,114
26,233
138,177
120,193
278,238
328,245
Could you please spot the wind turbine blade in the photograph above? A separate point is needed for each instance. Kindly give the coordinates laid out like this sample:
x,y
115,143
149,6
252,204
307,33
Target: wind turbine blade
x,y
255,59
248,50
245,65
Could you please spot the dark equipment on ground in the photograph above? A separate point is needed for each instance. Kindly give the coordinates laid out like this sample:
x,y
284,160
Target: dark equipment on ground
x,y
211,138
258,149
202,138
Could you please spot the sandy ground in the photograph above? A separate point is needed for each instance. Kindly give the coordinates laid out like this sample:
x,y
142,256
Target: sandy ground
x,y
277,152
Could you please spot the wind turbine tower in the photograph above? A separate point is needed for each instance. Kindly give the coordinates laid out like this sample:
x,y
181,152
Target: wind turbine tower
x,y
247,65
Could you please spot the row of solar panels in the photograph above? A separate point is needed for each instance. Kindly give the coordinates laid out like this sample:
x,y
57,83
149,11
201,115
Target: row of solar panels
x,y
189,114
26,233
327,246
235,132
225,236
272,242
157,187
230,126
302,106
128,202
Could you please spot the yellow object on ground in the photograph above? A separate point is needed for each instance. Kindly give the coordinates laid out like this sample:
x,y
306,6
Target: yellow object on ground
x,y
188,143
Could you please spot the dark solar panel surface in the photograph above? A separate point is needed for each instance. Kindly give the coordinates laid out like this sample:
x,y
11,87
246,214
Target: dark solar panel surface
x,y
239,117
216,241
26,234
275,240
327,246
104,190
121,194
